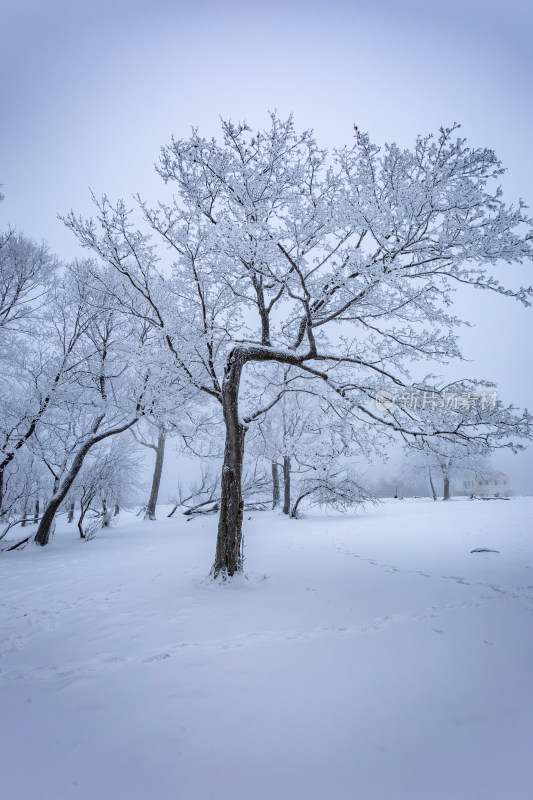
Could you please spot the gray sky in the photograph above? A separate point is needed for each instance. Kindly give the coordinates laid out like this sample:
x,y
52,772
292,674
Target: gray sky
x,y
90,89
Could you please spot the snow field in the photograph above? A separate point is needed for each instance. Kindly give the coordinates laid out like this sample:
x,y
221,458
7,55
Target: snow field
x,y
367,656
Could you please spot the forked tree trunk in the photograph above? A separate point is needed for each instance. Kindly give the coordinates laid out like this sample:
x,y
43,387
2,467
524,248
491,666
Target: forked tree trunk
x,y
156,480
229,552
228,556
275,485
433,492
446,488
286,485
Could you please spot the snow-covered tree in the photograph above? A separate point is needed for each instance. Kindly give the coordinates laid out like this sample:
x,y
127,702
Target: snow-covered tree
x,y
109,395
341,266
446,460
109,475
26,269
40,367
311,444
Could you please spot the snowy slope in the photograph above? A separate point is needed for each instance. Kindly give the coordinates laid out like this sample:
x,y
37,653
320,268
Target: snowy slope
x,y
368,656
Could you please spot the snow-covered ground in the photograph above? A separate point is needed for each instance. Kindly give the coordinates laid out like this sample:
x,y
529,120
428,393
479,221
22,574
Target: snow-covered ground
x,y
368,656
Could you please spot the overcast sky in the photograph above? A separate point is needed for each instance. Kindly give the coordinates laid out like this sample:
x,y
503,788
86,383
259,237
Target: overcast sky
x,y
90,90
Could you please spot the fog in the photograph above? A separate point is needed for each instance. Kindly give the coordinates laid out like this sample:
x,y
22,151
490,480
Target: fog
x,y
91,90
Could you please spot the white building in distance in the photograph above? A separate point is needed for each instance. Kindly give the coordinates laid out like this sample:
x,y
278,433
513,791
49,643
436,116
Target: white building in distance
x,y
495,484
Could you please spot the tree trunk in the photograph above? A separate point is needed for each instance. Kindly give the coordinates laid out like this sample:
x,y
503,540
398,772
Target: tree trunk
x,y
80,520
286,485
106,516
47,520
37,510
446,488
156,480
71,511
275,485
45,526
117,510
24,516
228,557
433,492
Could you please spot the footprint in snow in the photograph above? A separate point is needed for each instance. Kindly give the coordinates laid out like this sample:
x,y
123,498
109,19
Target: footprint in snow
x,y
158,657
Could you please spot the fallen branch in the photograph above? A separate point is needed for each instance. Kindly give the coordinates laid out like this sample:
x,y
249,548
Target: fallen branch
x,y
18,544
488,498
13,524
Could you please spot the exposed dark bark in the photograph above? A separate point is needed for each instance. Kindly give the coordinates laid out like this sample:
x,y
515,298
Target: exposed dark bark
x,y
156,480
71,511
45,526
80,521
116,512
433,492
201,508
37,511
24,516
18,544
106,516
198,511
275,485
294,510
286,485
228,556
446,488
